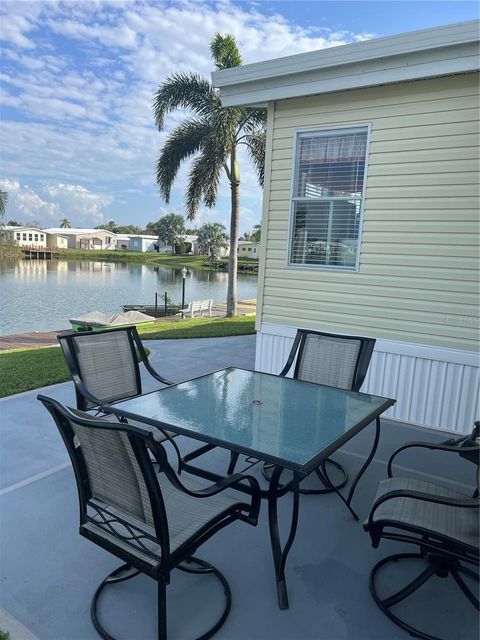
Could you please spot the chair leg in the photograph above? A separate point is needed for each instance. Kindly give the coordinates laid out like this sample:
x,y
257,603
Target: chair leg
x,y
192,565
431,570
112,578
162,608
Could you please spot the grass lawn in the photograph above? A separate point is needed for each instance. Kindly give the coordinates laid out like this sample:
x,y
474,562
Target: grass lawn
x,y
165,259
26,369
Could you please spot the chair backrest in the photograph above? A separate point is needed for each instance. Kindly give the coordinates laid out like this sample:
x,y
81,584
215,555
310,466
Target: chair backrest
x,y
118,489
105,363
330,359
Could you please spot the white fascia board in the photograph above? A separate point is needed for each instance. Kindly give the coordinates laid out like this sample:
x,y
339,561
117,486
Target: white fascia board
x,y
422,54
355,76
345,54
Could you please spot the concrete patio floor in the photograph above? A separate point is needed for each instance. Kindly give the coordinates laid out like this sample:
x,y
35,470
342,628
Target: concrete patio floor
x,y
49,573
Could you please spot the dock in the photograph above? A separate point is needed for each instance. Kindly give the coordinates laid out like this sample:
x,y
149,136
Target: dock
x,y
36,339
222,265
39,253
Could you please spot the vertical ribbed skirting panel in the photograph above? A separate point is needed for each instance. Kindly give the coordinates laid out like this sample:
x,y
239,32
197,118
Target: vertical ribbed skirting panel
x,y
434,387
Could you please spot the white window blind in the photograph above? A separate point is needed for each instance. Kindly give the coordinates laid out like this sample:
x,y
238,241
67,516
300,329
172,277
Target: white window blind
x,y
328,197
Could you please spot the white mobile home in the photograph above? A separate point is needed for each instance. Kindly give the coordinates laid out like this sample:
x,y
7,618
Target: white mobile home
x,y
370,213
147,243
27,236
247,249
87,238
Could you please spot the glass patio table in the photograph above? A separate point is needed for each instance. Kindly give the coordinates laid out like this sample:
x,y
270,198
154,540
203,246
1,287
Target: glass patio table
x,y
289,423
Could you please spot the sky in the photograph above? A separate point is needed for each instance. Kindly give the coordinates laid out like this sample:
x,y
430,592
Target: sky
x,y
78,78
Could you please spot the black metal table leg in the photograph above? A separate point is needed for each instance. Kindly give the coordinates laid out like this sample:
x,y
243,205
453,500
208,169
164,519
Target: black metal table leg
x,y
279,554
366,463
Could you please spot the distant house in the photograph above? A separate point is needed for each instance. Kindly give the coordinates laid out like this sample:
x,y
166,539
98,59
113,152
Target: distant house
x,y
26,236
147,243
193,240
123,242
87,238
57,241
247,249
370,211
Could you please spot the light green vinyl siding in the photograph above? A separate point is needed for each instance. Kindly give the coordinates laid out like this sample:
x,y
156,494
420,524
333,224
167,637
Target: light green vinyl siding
x,y
418,277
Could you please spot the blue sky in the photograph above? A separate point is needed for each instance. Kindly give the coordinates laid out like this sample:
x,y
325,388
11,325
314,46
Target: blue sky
x,y
78,78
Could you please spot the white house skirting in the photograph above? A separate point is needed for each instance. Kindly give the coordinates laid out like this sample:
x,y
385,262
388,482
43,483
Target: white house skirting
x,y
434,387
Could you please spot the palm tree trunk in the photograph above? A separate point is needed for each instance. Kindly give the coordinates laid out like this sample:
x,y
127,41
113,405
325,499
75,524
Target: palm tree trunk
x,y
234,226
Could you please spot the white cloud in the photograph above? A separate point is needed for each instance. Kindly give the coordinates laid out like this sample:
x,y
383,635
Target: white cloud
x,y
80,78
26,205
80,205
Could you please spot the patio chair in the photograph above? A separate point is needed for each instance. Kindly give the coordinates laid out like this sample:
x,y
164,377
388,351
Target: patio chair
x,y
441,522
332,360
104,368
145,517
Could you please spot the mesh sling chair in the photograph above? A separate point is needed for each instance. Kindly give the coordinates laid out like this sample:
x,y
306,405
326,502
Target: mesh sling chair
x,y
104,368
442,523
332,360
147,518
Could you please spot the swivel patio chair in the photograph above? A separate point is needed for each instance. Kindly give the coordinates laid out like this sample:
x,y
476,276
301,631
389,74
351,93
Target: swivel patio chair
x,y
145,517
441,522
332,360
104,366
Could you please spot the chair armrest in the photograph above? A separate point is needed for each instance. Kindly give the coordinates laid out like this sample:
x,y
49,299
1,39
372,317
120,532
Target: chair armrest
x,y
470,503
146,361
214,489
431,446
82,389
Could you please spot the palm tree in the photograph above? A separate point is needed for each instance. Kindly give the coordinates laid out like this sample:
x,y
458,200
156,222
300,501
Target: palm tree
x,y
256,233
211,237
212,135
65,224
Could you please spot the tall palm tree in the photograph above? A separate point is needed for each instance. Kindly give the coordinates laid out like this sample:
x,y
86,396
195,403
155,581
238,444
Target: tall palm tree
x,y
212,136
65,224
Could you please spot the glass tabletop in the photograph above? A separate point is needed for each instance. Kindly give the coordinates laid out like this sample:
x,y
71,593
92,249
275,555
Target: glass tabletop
x,y
279,420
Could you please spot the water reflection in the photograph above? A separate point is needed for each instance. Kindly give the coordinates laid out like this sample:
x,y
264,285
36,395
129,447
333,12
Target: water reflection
x,y
42,295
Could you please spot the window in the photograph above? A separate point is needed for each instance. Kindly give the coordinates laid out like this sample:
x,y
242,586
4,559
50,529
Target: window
x,y
249,248
328,194
42,236
36,237
30,237
18,236
24,236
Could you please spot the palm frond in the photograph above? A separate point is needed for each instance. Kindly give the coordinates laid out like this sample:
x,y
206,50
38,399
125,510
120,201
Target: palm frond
x,y
225,52
193,196
255,120
185,90
204,179
184,141
256,150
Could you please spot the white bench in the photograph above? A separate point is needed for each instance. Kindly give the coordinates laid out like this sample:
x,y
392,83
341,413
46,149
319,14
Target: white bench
x,y
199,307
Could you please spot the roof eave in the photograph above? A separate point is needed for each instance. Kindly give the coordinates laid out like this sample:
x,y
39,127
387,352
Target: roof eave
x,y
413,56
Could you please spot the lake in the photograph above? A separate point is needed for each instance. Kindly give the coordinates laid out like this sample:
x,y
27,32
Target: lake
x,y
41,295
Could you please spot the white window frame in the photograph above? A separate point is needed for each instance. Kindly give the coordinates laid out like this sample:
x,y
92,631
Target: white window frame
x,y
318,132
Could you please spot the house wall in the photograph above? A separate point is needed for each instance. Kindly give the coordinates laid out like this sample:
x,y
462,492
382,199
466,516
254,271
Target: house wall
x,y
28,237
54,241
98,240
417,285
249,250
